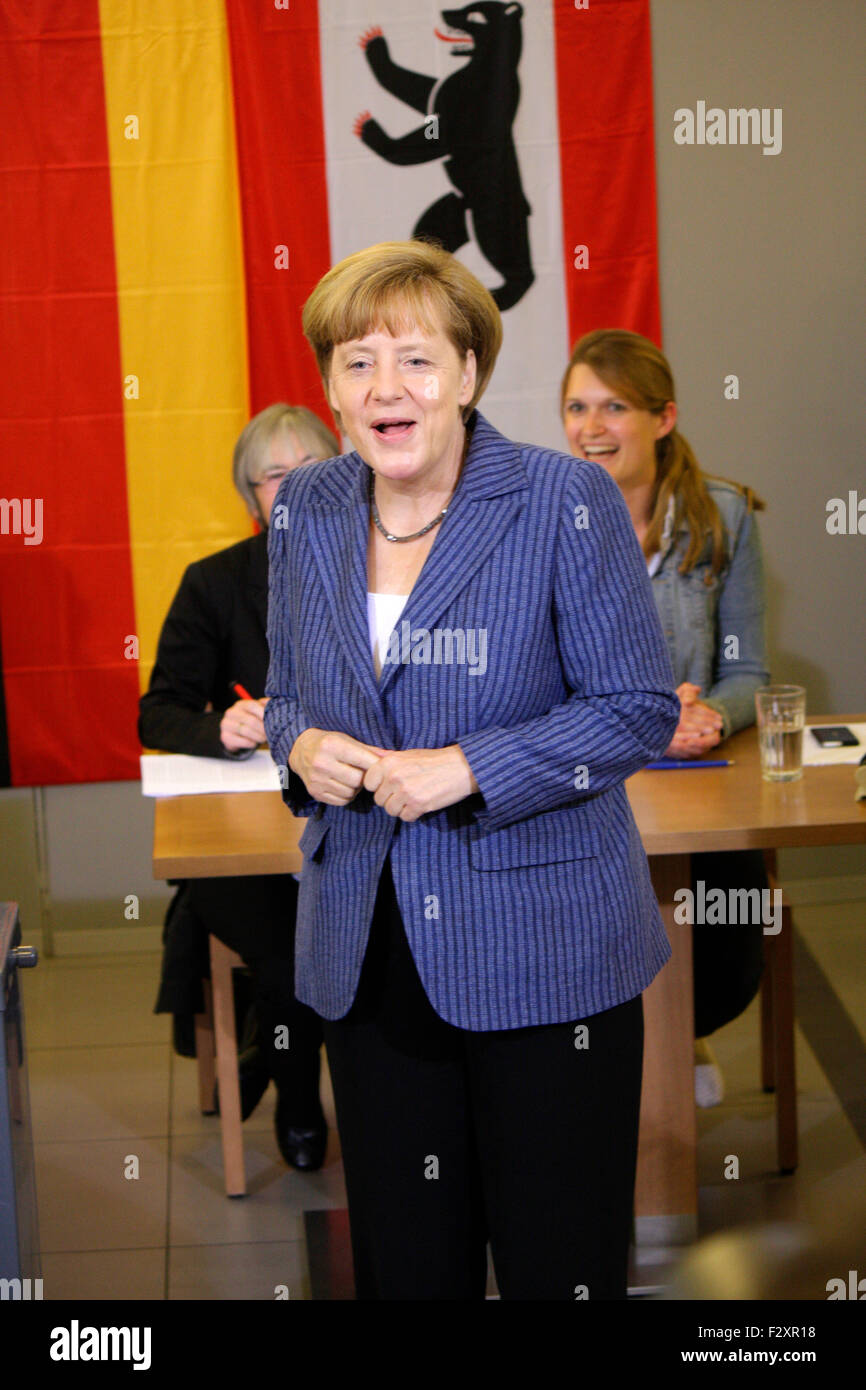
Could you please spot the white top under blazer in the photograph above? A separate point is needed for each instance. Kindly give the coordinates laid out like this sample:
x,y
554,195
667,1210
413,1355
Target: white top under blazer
x,y
383,610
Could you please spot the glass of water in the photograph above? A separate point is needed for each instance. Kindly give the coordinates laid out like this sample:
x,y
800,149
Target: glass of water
x,y
781,711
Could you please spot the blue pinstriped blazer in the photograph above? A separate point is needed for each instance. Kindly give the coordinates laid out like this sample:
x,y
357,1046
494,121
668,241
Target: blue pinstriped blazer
x,y
529,902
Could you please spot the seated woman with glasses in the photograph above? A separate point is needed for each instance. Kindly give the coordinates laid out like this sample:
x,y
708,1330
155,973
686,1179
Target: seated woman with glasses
x,y
214,639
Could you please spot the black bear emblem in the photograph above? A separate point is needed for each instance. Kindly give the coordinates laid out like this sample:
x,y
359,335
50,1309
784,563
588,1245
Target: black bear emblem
x,y
468,121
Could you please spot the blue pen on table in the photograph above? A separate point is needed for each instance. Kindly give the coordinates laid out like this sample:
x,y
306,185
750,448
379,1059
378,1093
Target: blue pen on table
x,y
674,764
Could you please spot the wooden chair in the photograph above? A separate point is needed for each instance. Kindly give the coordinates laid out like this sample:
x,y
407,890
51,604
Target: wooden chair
x,y
778,1062
216,1039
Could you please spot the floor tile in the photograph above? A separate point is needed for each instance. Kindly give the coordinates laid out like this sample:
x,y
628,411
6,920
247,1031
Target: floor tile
x,y
137,1275
231,1272
99,1092
86,1203
737,1048
827,1144
835,938
277,1196
72,1004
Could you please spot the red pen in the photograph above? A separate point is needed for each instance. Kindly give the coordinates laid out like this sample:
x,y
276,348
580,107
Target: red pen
x,y
240,692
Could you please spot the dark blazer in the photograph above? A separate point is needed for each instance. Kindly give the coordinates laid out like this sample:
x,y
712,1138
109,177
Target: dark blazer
x,y
215,632
531,902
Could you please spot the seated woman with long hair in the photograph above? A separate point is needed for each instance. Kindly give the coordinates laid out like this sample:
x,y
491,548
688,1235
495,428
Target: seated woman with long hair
x,y
701,545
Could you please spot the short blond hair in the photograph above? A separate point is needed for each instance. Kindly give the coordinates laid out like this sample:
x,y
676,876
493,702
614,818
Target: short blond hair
x,y
251,449
395,284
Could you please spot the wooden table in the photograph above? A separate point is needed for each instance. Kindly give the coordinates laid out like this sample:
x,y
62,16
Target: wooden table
x,y
678,814
225,834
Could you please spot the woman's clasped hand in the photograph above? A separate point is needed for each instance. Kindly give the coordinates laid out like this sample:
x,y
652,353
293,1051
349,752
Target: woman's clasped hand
x,y
700,727
406,783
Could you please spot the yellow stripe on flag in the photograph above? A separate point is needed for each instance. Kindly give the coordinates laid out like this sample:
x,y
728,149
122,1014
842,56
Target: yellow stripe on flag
x,y
177,232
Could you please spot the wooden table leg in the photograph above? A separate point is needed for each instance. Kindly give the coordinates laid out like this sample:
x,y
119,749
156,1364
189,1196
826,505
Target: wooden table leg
x,y
666,1195
221,962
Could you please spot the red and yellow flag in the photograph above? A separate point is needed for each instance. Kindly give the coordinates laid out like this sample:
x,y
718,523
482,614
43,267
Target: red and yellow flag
x,y
175,178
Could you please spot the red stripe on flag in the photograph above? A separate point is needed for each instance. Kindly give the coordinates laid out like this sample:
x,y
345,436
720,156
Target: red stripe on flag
x,y
276,79
607,161
66,604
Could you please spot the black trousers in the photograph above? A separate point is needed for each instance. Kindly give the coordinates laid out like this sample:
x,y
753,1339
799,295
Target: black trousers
x,y
452,1138
728,960
254,916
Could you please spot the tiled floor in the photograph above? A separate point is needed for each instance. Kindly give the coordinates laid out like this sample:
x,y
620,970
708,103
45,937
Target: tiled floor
x,y
107,1089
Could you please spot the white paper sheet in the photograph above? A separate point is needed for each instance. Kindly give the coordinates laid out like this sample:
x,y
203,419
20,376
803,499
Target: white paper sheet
x,y
816,756
176,774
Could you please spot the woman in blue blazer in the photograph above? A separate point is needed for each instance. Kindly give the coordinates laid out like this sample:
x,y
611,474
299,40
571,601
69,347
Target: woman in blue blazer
x,y
466,665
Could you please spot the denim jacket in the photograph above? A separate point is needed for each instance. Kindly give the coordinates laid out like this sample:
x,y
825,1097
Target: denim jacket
x,y
715,632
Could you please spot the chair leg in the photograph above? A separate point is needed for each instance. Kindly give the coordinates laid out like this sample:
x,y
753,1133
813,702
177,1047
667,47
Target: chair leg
x,y
221,961
204,1052
786,1068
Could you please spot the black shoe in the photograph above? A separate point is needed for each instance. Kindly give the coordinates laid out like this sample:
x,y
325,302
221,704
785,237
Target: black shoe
x,y
303,1149
254,1081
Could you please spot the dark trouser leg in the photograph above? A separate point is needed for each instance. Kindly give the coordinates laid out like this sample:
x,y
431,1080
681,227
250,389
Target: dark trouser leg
x,y
399,1079
557,1134
185,959
728,960
532,1138
255,916
282,1018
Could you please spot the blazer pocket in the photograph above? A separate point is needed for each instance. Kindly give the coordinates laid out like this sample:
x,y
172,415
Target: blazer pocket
x,y
575,832
313,837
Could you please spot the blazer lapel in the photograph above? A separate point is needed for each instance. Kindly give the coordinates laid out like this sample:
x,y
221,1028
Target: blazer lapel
x,y
337,529
488,497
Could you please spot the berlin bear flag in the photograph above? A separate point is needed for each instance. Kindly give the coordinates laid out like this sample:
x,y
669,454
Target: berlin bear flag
x,y
178,176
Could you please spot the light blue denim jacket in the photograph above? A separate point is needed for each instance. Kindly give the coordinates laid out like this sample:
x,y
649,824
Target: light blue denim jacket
x,y
715,632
